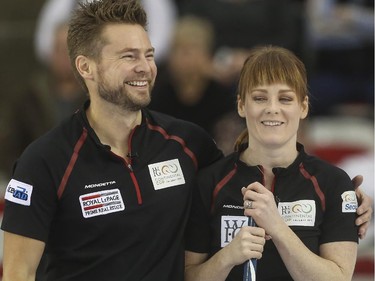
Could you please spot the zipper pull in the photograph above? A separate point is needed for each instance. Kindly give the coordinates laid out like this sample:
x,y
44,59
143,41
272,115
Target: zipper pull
x,y
277,200
130,167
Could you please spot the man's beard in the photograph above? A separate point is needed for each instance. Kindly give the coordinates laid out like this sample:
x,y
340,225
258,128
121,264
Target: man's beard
x,y
121,97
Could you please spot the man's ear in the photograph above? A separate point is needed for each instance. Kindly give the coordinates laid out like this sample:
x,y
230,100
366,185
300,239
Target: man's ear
x,y
240,107
85,67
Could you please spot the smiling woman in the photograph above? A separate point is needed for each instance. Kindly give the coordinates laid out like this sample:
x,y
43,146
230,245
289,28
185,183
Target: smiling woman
x,y
304,207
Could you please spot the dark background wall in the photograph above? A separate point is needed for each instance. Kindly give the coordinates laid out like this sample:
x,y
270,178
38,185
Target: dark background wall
x,y
17,59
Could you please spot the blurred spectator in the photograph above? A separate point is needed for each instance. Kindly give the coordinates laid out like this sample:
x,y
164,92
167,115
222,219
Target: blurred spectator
x,y
53,91
53,95
242,24
52,14
342,36
55,86
184,87
162,16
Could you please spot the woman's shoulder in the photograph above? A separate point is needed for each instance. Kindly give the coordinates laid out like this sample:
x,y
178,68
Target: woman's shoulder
x,y
325,171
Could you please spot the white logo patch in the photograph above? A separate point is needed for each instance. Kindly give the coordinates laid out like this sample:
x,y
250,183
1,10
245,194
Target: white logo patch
x,y
166,174
349,202
298,213
230,226
19,192
101,203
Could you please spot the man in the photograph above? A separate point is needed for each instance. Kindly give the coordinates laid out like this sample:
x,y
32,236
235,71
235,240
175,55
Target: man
x,y
105,196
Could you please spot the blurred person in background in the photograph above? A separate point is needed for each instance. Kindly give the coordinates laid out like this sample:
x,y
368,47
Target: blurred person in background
x,y
52,95
185,87
55,85
57,88
162,17
52,92
242,24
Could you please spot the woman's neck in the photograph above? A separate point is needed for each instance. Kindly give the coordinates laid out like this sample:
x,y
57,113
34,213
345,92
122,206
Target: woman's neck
x,y
269,158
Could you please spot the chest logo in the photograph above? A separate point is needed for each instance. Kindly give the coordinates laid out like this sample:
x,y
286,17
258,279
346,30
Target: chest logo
x,y
166,174
230,226
298,213
101,203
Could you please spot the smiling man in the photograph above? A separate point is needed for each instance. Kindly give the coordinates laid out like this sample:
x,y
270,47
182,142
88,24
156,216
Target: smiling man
x,y
106,195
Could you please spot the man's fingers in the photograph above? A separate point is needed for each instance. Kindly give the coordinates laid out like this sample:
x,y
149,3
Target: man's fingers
x,y
363,217
363,230
365,205
357,181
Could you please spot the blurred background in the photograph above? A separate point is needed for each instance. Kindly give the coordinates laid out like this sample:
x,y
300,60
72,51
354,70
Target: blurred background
x,y
200,48
17,59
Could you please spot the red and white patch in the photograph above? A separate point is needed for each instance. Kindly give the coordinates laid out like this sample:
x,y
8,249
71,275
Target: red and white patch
x,y
101,203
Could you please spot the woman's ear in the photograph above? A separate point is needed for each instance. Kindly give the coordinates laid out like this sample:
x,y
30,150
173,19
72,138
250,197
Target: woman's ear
x,y
305,107
240,107
85,67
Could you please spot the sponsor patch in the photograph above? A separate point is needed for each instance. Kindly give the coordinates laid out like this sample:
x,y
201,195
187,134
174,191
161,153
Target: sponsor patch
x,y
101,203
349,202
166,174
298,213
230,226
19,192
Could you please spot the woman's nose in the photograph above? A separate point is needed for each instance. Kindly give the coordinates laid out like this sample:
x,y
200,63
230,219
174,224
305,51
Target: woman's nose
x,y
272,107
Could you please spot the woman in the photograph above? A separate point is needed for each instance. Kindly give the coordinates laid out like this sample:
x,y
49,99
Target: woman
x,y
306,207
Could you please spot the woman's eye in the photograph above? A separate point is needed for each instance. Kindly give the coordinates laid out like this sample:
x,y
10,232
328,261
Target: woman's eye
x,y
259,98
286,99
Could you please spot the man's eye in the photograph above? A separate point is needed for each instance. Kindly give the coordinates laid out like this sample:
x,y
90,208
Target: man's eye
x,y
150,56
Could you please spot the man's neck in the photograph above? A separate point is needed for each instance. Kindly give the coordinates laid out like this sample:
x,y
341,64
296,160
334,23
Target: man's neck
x,y
113,125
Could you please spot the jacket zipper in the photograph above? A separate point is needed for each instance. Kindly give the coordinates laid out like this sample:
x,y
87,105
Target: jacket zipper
x,y
277,199
130,168
136,185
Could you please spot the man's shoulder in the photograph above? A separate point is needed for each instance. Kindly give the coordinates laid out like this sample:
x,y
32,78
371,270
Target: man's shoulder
x,y
222,166
190,135
60,138
173,124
